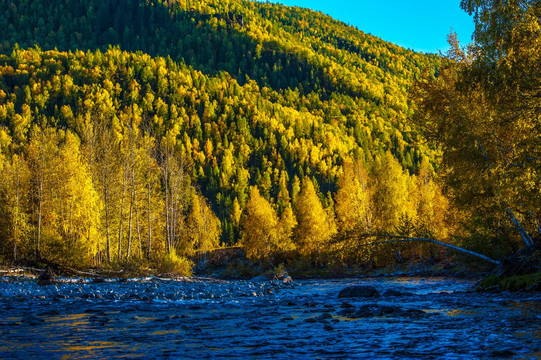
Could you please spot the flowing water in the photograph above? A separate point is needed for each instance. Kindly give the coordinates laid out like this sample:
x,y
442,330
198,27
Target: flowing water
x,y
429,318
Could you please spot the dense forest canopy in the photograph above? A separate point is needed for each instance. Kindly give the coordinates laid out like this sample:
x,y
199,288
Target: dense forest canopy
x,y
158,130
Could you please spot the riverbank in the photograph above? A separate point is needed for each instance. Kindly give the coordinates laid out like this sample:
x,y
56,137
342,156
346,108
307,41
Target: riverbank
x,y
527,282
486,281
235,266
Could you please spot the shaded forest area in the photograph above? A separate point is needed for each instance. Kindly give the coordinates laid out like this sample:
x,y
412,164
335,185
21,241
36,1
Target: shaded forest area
x,y
275,128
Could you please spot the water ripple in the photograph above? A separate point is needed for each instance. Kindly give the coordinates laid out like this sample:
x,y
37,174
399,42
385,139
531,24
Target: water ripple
x,y
155,318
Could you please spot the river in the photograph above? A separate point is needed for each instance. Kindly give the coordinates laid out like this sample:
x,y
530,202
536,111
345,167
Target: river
x,y
429,318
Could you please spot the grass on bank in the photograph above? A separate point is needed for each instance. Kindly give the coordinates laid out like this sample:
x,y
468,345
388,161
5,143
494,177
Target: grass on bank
x,y
511,283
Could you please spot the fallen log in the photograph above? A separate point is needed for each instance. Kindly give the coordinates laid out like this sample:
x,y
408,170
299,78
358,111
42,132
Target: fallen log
x,y
521,230
397,239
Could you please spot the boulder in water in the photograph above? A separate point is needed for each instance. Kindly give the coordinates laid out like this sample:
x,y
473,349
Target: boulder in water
x,y
46,277
359,291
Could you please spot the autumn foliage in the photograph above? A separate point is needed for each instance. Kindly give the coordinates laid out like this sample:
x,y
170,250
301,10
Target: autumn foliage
x,y
206,124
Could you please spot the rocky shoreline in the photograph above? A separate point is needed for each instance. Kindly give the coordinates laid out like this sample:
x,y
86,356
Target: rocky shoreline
x,y
486,281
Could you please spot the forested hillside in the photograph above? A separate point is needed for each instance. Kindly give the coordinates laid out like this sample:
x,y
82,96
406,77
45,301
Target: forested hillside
x,y
132,128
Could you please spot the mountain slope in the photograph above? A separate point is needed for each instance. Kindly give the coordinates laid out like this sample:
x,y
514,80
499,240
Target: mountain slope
x,y
313,62
246,94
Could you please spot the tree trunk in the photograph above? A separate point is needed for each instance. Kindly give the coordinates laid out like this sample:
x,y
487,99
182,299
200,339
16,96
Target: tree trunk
x,y
17,216
121,221
40,203
138,226
107,225
149,219
523,233
132,200
167,215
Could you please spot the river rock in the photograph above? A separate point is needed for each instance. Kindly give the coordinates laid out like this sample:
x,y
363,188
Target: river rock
x,y
392,292
365,311
32,320
383,310
260,278
359,291
415,313
285,279
348,312
374,310
46,277
324,316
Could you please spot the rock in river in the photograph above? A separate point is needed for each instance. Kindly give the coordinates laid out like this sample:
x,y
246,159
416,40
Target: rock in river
x,y
375,310
260,278
285,279
359,292
392,292
46,278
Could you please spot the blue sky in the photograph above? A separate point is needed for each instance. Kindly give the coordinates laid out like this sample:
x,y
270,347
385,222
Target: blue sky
x,y
421,25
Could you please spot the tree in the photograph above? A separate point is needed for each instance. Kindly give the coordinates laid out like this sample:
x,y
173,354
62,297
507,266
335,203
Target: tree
x,y
176,189
314,227
75,202
286,225
42,151
106,166
260,228
236,213
432,205
203,228
152,198
483,111
507,69
14,206
353,199
390,194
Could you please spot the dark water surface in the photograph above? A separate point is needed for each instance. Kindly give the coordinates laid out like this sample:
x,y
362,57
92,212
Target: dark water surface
x,y
157,318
